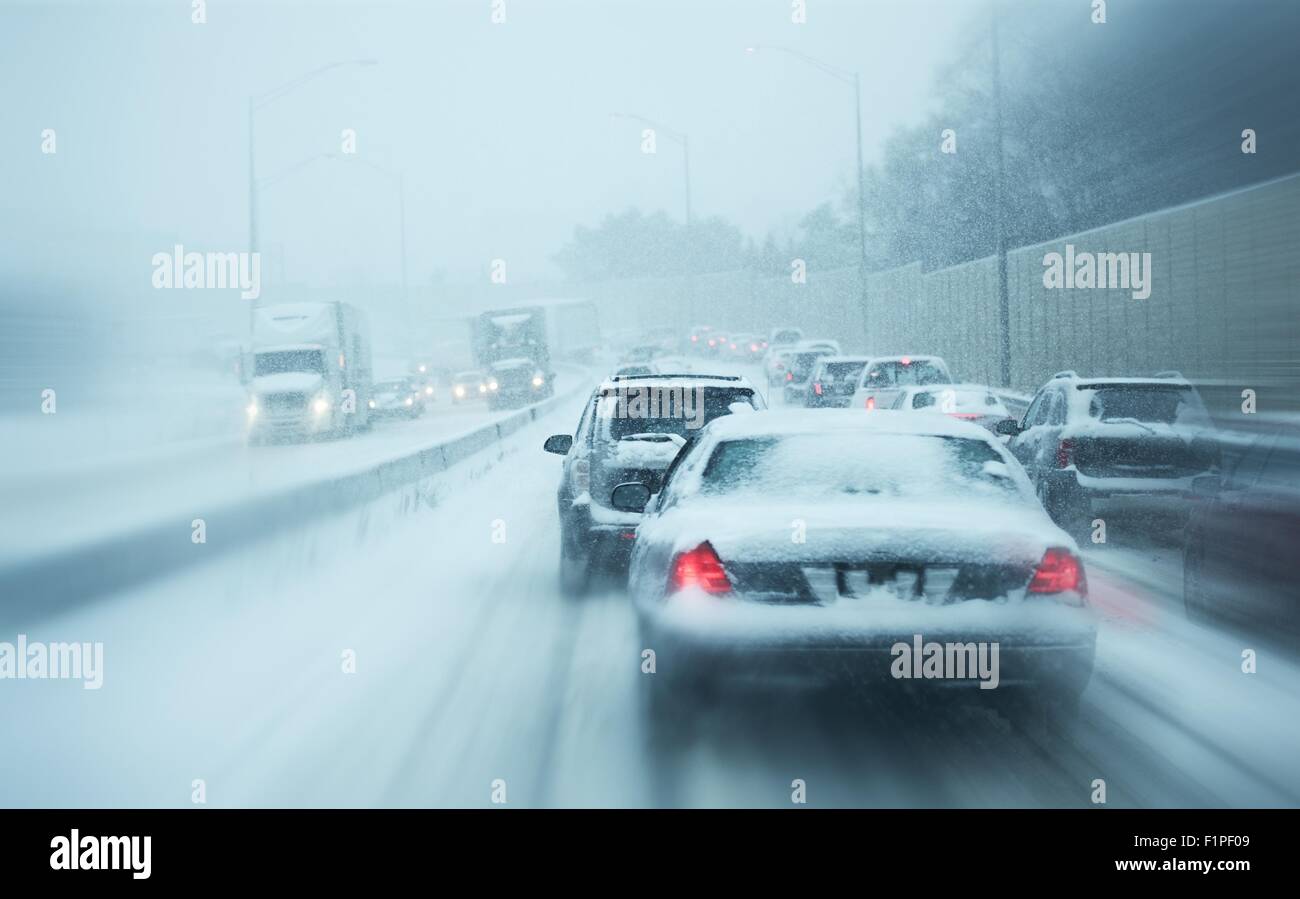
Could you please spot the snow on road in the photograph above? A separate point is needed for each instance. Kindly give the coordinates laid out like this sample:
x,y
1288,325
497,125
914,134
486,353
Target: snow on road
x,y
471,667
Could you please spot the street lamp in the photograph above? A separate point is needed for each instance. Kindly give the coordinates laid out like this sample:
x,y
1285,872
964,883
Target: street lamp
x,y
258,101
678,136
846,77
399,179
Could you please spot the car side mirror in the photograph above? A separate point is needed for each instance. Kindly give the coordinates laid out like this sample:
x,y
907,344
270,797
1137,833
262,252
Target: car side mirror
x,y
560,444
632,496
1007,427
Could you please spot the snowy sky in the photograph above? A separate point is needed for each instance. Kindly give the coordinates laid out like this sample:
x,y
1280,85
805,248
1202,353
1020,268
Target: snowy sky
x,y
503,131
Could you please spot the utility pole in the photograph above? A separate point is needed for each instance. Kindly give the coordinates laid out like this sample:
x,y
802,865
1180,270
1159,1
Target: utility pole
x,y
1004,299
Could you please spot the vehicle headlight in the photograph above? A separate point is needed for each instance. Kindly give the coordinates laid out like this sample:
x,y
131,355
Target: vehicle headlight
x,y
428,391
492,385
372,404
538,380
251,409
409,401
321,404
482,388
460,390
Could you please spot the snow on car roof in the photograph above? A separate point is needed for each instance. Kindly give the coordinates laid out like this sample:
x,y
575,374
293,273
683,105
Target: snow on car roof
x,y
1085,383
935,388
675,380
773,423
910,357
825,360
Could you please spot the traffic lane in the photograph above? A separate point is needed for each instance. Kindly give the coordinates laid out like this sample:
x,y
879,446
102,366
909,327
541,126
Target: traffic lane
x,y
46,514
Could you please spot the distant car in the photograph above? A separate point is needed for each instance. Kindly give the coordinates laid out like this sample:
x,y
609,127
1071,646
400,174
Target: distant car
x,y
784,337
617,440
975,403
400,397
634,371
799,367
643,352
468,386
833,381
1094,445
774,365
914,529
673,365
885,377
699,338
746,347
1242,533
424,377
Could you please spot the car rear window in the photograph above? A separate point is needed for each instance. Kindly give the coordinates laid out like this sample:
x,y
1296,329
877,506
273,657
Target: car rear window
x,y
898,374
787,336
981,402
621,415
840,371
1150,403
838,465
801,364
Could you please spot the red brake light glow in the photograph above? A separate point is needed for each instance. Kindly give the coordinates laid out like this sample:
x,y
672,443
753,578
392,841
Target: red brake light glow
x,y
871,403
1065,453
1059,572
817,388
700,569
906,360
789,376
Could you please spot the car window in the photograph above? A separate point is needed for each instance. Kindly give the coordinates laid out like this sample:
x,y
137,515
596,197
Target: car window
x,y
1159,403
1056,413
856,465
880,375
583,434
628,410
1034,414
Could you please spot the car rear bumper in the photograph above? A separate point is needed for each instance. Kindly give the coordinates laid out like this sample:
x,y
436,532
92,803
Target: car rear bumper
x,y
1051,651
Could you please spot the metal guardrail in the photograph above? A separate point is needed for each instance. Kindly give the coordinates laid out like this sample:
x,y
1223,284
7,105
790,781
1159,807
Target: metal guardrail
x,y
35,588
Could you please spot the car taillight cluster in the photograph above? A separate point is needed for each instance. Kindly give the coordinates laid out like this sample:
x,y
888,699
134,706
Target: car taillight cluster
x,y
1065,453
1060,571
871,403
699,569
789,376
581,475
817,388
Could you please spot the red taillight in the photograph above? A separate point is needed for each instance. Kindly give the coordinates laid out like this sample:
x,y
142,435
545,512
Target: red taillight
x,y
700,569
1065,454
789,376
695,338
871,403
965,416
906,360
817,388
1059,572
753,348
733,346
713,343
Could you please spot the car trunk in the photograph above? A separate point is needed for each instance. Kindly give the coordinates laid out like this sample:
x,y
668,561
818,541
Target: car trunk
x,y
1126,455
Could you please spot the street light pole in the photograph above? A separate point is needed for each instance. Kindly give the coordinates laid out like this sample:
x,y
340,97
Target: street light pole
x,y
855,79
1004,299
681,138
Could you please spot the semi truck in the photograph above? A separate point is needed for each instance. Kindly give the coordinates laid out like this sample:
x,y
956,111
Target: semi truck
x,y
514,347
309,371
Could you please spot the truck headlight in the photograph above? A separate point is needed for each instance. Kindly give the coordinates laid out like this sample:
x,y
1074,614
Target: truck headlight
x,y
492,385
409,401
372,404
460,390
251,409
321,404
538,380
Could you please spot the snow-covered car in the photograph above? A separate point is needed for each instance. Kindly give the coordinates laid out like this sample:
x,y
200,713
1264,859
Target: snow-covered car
x,y
828,545
1095,445
630,429
799,367
401,397
885,377
833,381
467,386
975,403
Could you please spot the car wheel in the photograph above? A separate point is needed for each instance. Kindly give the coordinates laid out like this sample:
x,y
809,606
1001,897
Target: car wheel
x,y
575,571
1195,602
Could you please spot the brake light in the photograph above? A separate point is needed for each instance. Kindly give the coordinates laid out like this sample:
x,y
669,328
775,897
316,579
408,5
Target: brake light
x,y
695,338
789,376
871,403
1059,571
817,388
713,343
700,569
1065,454
906,360
965,416
753,348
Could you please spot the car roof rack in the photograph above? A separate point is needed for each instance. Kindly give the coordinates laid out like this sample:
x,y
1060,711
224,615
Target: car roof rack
x,y
1068,373
1170,373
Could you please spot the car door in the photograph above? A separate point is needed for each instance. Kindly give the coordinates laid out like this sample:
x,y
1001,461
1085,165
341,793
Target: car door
x,y
1022,445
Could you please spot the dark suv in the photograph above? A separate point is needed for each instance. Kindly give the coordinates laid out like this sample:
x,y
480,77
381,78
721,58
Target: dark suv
x,y
1241,538
631,430
1093,445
